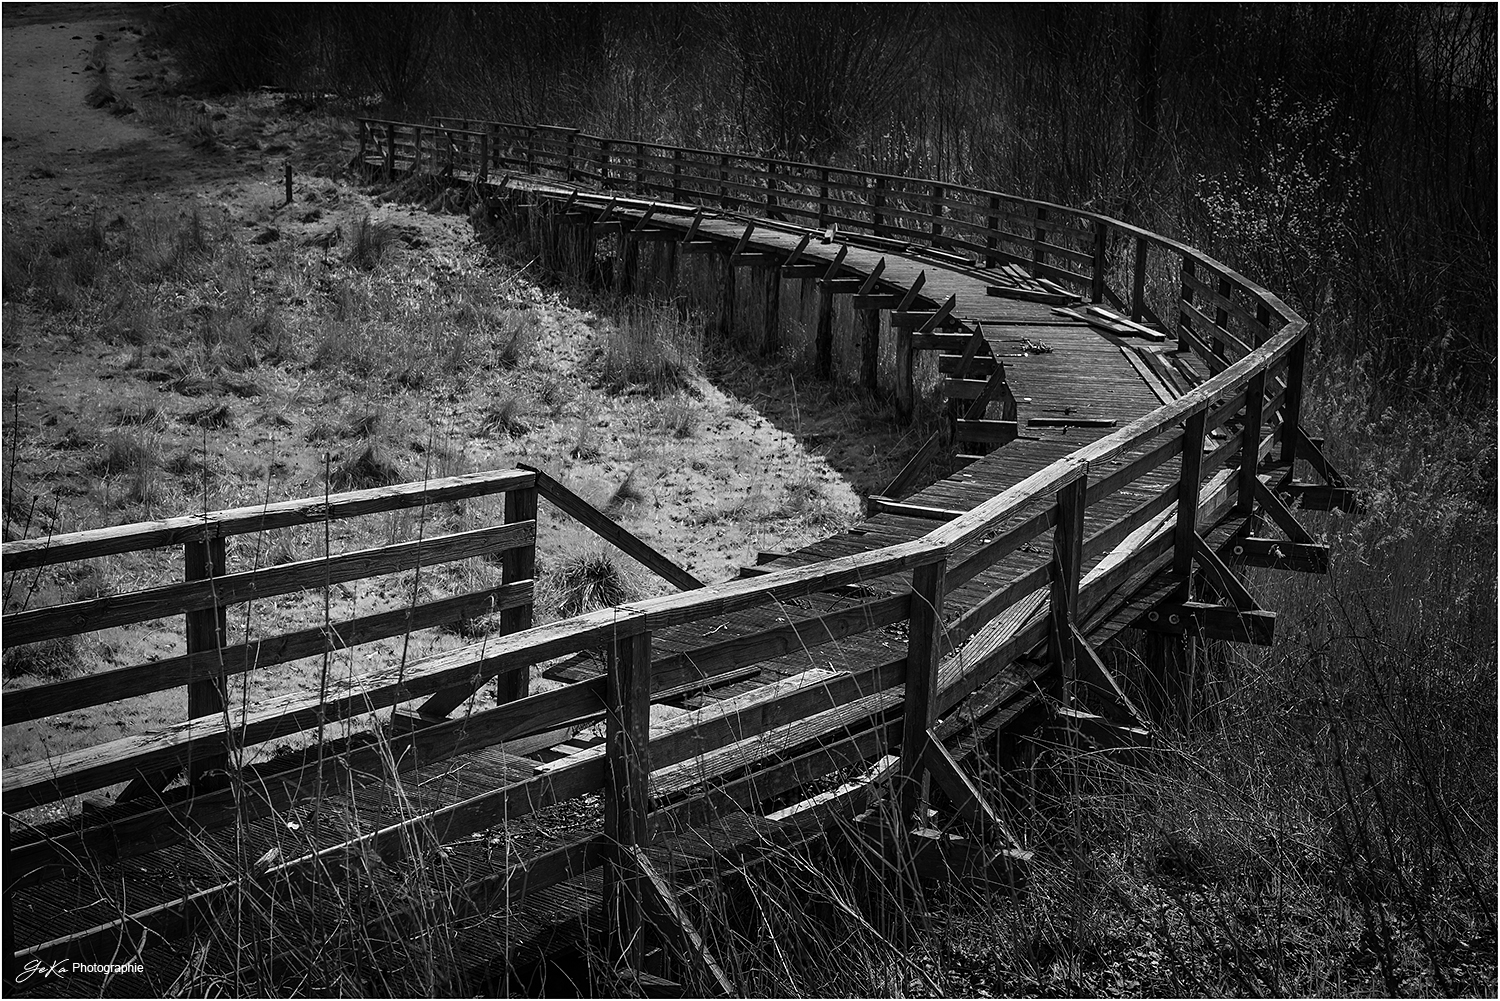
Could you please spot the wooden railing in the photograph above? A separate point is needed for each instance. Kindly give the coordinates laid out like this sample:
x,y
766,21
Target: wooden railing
x,y
768,741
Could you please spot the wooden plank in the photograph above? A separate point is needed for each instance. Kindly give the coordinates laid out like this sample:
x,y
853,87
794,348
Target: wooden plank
x,y
885,505
1234,625
607,529
26,553
247,585
1071,422
916,463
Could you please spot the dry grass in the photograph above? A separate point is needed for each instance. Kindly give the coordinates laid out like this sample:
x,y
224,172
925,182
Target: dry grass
x,y
650,348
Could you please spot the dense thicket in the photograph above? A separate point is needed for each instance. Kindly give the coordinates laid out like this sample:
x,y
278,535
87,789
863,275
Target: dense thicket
x,y
1344,154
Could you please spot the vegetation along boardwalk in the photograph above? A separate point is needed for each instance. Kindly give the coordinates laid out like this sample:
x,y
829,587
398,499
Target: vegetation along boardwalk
x,y
1118,454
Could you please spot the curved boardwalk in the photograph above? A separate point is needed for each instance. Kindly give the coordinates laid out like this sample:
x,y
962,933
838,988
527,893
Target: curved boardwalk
x,y
812,682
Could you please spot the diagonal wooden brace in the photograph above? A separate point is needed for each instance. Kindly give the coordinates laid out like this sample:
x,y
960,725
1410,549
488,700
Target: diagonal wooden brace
x,y
798,250
1111,700
1280,514
672,919
739,248
868,286
838,262
692,229
971,803
1225,581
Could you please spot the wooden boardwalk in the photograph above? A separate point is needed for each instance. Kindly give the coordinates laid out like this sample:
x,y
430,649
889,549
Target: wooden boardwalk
x,y
813,681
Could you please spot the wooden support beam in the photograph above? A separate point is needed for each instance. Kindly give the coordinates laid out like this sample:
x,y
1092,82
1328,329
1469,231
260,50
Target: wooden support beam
x,y
693,225
1225,581
934,341
1275,506
1311,450
798,250
914,466
1302,557
626,803
1067,573
672,918
1215,622
868,286
1071,422
1321,497
987,431
972,805
1188,483
911,293
923,658
924,321
872,300
838,262
739,248
1105,692
1030,295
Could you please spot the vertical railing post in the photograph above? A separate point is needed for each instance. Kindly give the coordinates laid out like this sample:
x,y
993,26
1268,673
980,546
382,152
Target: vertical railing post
x,y
484,157
992,243
531,140
877,202
923,649
723,178
603,163
207,628
1101,244
517,565
937,213
677,174
770,188
1187,493
416,166
1221,315
572,154
1039,241
640,168
627,730
364,132
1255,402
1291,415
390,150
823,206
1184,323
1067,572
1138,289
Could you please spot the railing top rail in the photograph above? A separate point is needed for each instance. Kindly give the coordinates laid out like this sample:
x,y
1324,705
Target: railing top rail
x,y
47,550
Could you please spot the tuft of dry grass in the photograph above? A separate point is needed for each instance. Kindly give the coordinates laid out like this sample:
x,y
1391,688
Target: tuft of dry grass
x,y
365,467
582,582
369,241
650,348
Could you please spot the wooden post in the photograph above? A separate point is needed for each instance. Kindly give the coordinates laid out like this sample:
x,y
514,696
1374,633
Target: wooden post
x,y
677,174
1067,572
723,177
390,150
1101,244
937,213
628,768
572,152
289,182
517,565
991,243
206,630
484,158
531,135
1184,324
1187,493
770,189
364,132
823,198
416,167
923,648
1255,401
1221,316
877,203
640,168
604,163
1039,236
1138,290
1291,415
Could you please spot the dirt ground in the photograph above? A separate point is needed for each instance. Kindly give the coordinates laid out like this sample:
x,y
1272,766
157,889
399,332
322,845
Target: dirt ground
x,y
269,359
